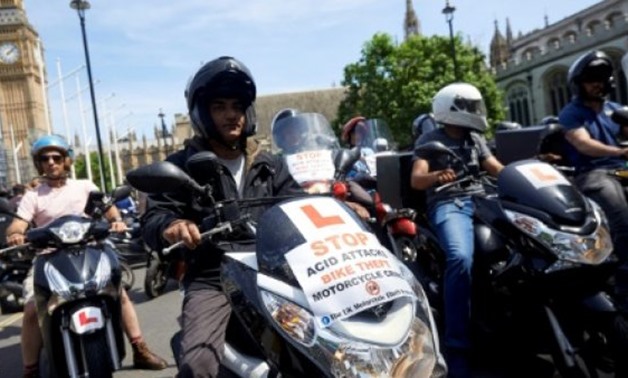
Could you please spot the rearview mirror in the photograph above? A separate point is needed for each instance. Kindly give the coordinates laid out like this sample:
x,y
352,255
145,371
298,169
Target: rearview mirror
x,y
345,159
433,149
161,177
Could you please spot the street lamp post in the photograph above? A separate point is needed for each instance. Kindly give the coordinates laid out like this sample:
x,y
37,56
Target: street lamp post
x,y
80,6
448,11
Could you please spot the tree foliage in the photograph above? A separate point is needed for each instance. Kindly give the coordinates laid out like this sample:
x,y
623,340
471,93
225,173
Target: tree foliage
x,y
397,82
81,169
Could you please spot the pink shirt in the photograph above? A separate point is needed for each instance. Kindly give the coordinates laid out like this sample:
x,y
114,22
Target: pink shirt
x,y
45,204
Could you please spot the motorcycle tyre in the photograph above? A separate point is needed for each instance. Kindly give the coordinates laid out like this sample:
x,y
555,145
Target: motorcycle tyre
x,y
128,276
156,278
97,355
619,344
579,370
16,304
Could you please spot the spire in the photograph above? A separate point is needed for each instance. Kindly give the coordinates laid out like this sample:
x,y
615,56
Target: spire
x,y
508,33
411,23
499,48
546,18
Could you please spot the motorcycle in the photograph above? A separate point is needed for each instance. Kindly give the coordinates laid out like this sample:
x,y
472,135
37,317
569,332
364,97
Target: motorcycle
x,y
14,266
541,267
160,268
131,249
312,291
314,167
77,282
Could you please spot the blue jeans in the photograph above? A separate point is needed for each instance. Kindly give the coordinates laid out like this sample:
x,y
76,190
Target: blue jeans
x,y
453,223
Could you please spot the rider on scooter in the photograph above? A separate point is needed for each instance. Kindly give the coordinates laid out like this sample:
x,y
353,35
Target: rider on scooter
x,y
59,195
460,109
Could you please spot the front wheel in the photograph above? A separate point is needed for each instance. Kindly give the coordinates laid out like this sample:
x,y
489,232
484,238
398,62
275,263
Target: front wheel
x,y
97,355
128,277
13,301
156,277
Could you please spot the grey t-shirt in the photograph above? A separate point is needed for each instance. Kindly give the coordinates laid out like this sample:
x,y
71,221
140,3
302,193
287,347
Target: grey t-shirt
x,y
472,149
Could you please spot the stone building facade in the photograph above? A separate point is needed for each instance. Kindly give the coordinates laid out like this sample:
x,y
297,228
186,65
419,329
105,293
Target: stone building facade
x,y
134,151
532,68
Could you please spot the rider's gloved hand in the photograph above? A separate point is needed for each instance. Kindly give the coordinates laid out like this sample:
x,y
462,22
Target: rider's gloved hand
x,y
183,230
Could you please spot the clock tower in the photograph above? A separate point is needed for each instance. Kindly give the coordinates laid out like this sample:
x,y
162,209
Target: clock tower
x,y
22,93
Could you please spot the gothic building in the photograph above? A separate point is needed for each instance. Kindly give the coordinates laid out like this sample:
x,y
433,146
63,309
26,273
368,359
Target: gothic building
x,y
532,68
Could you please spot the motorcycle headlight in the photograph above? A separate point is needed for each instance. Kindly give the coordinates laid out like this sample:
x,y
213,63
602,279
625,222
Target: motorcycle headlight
x,y
290,317
570,249
72,231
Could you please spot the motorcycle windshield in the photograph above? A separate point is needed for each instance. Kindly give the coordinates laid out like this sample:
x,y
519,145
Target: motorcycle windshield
x,y
307,143
378,137
303,132
540,186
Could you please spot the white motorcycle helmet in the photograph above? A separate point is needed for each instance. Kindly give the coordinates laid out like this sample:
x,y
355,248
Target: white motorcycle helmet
x,y
460,104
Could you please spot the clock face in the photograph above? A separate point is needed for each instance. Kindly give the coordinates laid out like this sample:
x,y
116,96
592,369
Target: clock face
x,y
9,53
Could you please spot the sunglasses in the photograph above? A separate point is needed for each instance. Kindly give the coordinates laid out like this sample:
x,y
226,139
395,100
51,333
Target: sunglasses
x,y
46,158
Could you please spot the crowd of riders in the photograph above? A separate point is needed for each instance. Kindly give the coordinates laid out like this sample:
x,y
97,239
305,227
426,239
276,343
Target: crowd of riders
x,y
221,102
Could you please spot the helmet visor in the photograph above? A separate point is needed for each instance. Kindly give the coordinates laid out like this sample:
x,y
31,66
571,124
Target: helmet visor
x,y
596,73
471,106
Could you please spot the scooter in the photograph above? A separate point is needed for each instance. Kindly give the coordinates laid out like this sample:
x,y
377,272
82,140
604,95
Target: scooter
x,y
160,268
316,294
77,283
542,263
14,266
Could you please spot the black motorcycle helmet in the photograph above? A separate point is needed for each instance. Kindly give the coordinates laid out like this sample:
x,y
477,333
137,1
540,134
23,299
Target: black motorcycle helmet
x,y
280,123
594,65
222,77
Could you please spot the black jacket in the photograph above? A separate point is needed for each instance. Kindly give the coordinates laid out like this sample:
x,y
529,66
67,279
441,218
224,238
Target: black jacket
x,y
265,175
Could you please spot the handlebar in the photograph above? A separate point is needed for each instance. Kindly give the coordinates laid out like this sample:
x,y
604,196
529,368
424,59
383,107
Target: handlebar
x,y
15,248
454,183
227,226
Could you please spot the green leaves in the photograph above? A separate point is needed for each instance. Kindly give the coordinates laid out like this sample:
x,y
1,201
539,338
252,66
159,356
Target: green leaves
x,y
396,82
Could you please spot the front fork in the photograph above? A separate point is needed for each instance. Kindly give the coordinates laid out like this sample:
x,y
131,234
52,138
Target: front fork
x,y
68,344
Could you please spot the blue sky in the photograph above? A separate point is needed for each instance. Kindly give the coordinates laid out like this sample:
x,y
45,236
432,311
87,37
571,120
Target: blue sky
x,y
144,51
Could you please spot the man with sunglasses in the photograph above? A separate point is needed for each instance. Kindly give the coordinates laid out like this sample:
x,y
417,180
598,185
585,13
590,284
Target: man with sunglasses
x,y
594,150
59,195
460,109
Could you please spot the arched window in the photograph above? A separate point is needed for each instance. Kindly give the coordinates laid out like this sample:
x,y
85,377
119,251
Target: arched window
x,y
593,27
553,44
519,104
614,18
557,90
570,37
